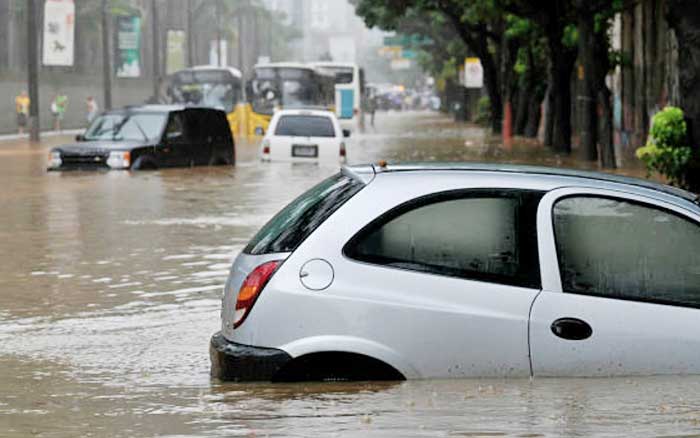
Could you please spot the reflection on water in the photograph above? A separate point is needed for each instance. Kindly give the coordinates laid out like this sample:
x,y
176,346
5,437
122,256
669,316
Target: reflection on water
x,y
110,291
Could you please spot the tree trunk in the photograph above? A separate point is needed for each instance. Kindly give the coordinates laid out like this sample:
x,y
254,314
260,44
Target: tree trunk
x,y
683,17
586,102
549,117
521,106
534,114
493,89
604,98
561,67
605,135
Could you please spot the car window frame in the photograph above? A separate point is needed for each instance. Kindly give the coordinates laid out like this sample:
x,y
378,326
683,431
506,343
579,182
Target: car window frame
x,y
636,203
449,195
549,258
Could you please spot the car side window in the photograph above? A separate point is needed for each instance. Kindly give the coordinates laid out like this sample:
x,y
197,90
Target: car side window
x,y
626,250
175,129
479,235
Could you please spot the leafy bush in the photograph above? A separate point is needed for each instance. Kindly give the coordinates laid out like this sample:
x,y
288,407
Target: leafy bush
x,y
667,151
483,111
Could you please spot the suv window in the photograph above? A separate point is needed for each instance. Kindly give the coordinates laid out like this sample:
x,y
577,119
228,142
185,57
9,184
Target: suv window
x,y
479,235
291,226
619,249
175,131
305,126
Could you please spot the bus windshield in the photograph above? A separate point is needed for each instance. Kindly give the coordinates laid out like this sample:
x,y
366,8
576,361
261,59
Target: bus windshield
x,y
282,87
343,75
210,88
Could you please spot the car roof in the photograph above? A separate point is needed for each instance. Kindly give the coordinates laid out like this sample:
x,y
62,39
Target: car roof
x,y
565,176
304,112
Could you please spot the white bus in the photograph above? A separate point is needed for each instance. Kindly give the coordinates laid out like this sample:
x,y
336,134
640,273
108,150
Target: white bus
x,y
349,90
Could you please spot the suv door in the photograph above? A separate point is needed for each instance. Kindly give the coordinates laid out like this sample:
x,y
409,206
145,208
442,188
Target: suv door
x,y
621,292
173,150
200,143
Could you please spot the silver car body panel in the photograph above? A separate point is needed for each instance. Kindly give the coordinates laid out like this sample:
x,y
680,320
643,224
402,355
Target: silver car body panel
x,y
424,325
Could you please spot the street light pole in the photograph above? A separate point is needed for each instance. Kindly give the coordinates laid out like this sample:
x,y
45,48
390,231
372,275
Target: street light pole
x,y
190,42
156,50
106,56
33,70
218,33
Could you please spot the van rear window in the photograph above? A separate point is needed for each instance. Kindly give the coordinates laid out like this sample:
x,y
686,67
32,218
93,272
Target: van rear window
x,y
291,226
305,126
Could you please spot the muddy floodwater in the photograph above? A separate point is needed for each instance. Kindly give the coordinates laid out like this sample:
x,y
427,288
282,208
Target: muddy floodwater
x,y
110,287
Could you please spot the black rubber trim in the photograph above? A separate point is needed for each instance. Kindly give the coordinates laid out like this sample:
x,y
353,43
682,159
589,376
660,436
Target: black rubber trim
x,y
243,363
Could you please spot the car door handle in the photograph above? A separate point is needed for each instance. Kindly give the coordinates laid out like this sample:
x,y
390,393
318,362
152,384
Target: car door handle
x,y
573,329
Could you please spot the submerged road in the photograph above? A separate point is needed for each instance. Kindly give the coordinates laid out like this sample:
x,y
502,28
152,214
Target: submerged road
x,y
110,288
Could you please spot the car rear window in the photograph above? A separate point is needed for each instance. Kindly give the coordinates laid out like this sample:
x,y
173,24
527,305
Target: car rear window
x,y
305,126
291,226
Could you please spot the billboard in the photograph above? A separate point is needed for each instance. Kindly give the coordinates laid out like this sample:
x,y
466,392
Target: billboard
x,y
59,32
128,63
473,73
176,51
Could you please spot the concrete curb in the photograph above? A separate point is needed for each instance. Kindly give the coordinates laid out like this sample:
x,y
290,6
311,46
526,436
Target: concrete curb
x,y
10,137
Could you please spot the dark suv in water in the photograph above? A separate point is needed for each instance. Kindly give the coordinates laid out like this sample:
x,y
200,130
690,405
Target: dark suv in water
x,y
149,137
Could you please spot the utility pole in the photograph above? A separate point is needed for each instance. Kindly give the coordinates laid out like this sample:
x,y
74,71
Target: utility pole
x,y
190,42
156,50
218,33
106,56
33,70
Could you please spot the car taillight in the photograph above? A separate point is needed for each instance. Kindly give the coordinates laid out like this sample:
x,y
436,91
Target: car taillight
x,y
342,150
251,288
266,146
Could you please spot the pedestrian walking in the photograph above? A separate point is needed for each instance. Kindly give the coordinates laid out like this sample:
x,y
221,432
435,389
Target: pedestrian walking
x,y
58,109
372,108
22,110
92,108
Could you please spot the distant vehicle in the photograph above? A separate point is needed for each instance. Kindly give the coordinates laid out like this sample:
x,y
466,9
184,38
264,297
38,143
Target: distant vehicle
x,y
304,136
212,87
286,85
149,137
467,270
349,90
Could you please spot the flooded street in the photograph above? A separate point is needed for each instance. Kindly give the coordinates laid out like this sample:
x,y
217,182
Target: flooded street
x,y
110,287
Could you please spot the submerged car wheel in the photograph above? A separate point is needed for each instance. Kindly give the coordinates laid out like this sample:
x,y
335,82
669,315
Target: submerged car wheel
x,y
143,163
336,366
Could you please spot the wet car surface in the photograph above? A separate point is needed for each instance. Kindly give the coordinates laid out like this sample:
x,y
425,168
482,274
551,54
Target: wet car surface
x,y
108,301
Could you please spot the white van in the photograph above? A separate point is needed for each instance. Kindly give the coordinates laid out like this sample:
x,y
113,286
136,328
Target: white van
x,y
304,136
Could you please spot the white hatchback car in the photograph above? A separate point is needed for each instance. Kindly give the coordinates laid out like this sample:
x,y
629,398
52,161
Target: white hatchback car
x,y
302,135
459,270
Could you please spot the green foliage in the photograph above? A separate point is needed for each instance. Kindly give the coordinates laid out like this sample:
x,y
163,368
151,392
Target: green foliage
x,y
483,111
666,150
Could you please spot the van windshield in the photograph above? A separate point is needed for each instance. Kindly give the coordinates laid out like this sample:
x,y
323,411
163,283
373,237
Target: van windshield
x,y
291,226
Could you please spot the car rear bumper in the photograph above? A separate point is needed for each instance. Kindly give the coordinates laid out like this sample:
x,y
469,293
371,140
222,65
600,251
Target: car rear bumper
x,y
243,363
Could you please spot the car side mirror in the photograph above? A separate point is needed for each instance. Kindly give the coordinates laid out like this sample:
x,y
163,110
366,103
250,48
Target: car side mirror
x,y
346,133
80,137
259,131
